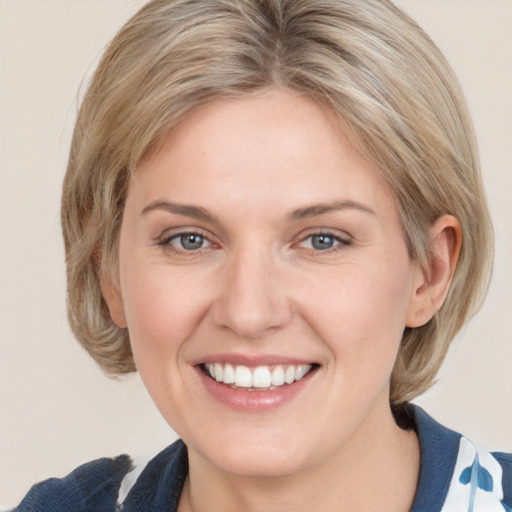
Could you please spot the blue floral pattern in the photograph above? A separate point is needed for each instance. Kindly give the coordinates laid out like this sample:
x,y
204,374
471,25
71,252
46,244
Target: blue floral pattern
x,y
477,482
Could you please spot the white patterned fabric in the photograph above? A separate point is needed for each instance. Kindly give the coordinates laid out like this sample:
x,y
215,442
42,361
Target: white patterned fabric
x,y
477,481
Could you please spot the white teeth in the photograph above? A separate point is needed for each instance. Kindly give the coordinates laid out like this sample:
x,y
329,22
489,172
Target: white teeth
x,y
243,377
301,370
218,372
289,376
229,374
261,377
278,376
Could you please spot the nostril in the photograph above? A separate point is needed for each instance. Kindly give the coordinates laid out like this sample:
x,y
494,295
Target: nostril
x,y
251,321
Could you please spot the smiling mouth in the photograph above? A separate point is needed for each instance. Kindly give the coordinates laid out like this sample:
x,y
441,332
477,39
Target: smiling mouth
x,y
259,378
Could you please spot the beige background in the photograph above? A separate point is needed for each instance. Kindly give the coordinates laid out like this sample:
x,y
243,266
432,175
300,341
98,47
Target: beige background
x,y
56,408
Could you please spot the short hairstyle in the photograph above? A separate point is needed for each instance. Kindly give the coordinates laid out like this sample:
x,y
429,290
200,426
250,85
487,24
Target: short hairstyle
x,y
368,62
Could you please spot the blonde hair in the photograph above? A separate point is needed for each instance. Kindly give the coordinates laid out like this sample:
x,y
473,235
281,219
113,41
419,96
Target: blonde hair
x,y
394,92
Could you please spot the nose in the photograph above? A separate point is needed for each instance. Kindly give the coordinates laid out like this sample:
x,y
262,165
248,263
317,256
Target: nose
x,y
253,301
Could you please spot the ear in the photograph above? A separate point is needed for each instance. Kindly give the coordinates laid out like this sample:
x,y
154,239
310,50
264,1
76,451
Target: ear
x,y
114,302
431,285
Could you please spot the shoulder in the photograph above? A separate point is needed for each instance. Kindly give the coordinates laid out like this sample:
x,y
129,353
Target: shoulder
x,y
457,474
100,485
156,485
91,486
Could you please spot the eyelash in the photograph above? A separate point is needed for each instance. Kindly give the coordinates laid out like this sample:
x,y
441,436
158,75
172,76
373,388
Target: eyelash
x,y
166,242
340,243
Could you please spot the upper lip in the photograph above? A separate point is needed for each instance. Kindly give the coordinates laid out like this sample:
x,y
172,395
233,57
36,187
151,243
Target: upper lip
x,y
251,360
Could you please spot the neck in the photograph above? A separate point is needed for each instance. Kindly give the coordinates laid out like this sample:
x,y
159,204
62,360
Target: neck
x,y
377,470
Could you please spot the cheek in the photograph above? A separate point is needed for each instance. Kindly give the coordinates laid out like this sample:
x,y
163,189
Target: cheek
x,y
361,315
162,313
162,310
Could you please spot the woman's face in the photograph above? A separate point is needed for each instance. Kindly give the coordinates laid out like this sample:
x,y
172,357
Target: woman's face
x,y
257,245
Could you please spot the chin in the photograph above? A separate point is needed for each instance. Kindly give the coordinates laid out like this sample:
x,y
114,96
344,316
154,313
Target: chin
x,y
259,458
259,465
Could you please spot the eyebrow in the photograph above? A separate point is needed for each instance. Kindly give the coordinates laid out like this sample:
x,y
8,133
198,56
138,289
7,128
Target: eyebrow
x,y
187,210
305,212
321,208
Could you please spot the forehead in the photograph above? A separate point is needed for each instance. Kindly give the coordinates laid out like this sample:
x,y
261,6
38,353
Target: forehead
x,y
277,146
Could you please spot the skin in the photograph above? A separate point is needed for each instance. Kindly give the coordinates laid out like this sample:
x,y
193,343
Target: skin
x,y
258,285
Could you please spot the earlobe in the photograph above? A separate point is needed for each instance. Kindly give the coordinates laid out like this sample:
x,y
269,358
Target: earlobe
x,y
432,284
114,302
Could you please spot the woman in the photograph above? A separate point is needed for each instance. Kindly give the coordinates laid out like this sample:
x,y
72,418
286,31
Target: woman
x,y
274,212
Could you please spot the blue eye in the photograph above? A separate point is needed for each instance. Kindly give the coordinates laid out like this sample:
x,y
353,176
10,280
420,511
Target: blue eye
x,y
187,241
323,242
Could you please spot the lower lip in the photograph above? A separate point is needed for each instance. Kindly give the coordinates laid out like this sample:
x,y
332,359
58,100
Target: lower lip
x,y
253,401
